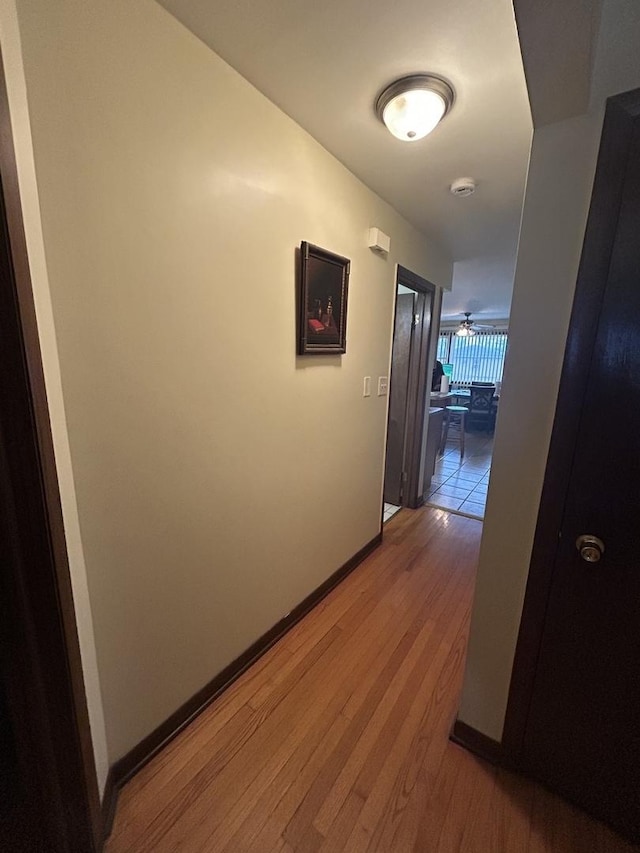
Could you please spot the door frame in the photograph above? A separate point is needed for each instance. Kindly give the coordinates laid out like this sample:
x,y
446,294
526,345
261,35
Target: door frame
x,y
600,232
416,399
52,729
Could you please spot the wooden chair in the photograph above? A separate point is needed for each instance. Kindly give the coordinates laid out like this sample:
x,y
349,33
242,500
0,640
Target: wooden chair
x,y
481,409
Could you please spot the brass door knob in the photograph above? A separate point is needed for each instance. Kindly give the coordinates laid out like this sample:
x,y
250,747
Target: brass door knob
x,y
591,548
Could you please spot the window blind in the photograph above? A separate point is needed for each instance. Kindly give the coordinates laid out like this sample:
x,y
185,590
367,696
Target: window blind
x,y
477,358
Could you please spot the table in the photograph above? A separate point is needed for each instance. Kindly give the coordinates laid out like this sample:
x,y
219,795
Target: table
x,y
460,397
463,395
441,400
456,396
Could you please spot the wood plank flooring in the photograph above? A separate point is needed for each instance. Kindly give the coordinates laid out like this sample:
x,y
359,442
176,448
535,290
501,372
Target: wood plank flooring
x,y
337,738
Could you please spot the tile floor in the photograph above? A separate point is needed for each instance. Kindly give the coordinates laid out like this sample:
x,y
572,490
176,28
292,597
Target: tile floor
x,y
389,511
461,485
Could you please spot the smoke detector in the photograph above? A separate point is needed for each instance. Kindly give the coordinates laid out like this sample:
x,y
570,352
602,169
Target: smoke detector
x,y
462,187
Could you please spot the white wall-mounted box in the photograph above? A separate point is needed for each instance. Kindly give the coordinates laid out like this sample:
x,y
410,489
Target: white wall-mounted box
x,y
379,241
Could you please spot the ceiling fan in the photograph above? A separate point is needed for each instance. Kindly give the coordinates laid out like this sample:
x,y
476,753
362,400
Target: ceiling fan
x,y
469,327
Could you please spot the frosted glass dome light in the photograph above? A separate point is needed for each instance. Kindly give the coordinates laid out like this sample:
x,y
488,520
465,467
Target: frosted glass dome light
x,y
412,107
465,332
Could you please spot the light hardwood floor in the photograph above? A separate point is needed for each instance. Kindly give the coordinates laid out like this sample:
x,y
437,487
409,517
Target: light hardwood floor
x,y
336,739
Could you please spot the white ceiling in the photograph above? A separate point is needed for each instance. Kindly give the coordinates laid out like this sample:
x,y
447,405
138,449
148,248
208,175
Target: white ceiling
x,y
324,63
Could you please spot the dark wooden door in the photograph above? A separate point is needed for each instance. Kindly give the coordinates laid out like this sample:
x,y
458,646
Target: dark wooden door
x,y
582,735
20,826
398,396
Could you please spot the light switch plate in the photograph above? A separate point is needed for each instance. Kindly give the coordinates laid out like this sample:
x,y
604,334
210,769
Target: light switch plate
x,y
383,382
366,389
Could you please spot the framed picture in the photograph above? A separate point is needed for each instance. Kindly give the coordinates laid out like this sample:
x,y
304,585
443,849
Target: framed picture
x,y
324,284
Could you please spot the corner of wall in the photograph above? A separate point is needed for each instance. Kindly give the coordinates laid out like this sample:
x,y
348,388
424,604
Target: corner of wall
x,y
16,89
554,218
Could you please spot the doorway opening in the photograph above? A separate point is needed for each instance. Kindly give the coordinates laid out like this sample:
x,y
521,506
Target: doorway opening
x,y
408,387
441,422
469,392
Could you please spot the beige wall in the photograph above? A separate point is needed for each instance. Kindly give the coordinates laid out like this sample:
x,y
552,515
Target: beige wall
x,y
219,478
556,205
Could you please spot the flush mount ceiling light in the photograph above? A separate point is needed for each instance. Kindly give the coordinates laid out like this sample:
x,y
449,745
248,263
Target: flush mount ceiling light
x,y
413,106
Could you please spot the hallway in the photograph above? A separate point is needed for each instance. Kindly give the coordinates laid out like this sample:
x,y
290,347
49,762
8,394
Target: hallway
x,y
336,739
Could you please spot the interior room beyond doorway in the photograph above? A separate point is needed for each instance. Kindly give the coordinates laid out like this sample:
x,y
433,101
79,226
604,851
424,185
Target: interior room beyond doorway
x,y
464,406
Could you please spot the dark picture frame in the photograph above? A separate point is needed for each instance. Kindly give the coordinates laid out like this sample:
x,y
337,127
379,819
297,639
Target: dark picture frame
x,y
324,287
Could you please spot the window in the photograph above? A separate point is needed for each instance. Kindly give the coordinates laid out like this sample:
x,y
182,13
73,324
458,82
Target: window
x,y
477,358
